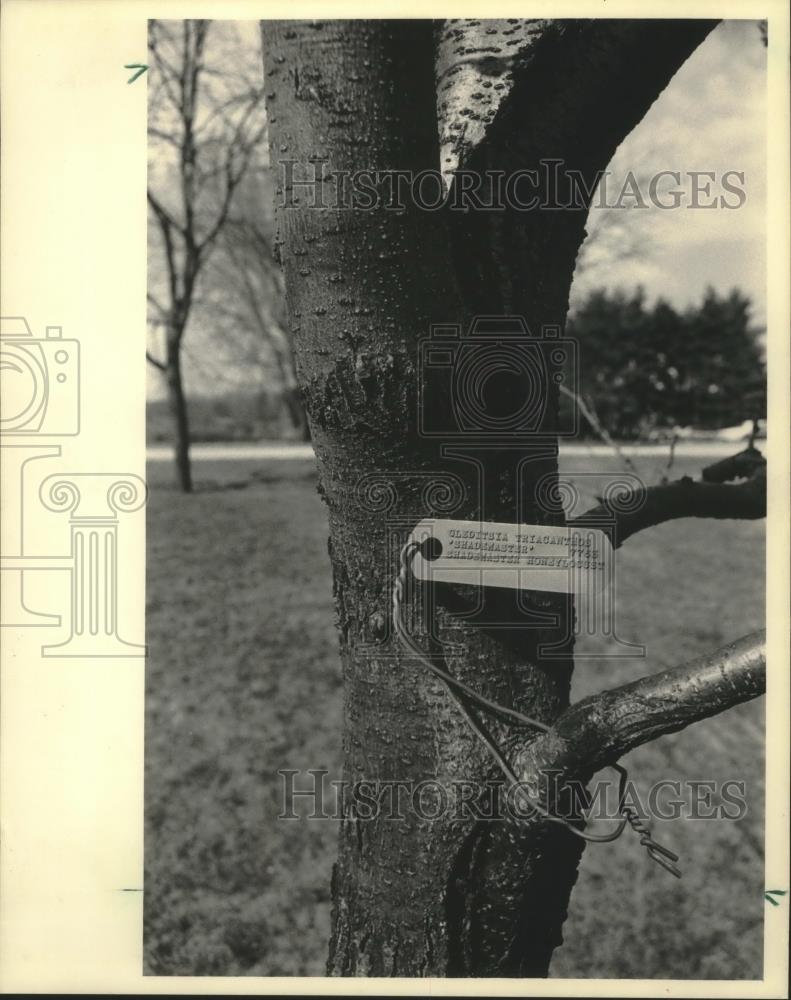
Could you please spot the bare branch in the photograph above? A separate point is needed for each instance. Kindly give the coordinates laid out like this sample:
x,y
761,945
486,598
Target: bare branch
x,y
599,730
588,411
577,88
162,213
252,96
670,459
166,72
632,511
154,301
160,365
161,136
166,228
745,464
233,177
613,70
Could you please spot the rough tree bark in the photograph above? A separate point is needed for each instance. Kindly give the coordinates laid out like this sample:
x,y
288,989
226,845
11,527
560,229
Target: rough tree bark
x,y
411,897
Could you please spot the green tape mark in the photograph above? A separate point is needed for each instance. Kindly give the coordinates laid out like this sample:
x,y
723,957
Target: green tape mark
x,y
140,70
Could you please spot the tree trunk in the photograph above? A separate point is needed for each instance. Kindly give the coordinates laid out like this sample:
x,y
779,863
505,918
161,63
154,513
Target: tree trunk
x,y
178,412
368,287
411,896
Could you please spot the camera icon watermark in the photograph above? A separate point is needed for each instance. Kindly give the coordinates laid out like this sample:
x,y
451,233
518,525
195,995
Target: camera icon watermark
x,y
489,403
494,383
40,401
40,381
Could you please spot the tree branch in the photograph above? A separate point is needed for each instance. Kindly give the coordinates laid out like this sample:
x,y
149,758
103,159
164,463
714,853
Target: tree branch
x,y
599,730
155,362
588,411
632,511
233,177
166,229
574,89
166,72
162,136
163,215
613,70
747,463
154,301
588,736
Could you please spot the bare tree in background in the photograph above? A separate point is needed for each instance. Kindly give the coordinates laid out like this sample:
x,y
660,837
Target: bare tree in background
x,y
206,123
246,294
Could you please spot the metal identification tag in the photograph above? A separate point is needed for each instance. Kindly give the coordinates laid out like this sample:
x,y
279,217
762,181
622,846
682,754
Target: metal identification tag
x,y
519,556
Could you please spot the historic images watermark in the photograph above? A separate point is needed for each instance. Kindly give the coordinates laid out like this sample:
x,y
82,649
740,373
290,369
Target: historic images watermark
x,y
551,186
496,377
40,383
311,795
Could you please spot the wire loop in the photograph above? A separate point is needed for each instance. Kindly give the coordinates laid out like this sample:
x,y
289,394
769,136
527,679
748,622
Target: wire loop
x,y
468,699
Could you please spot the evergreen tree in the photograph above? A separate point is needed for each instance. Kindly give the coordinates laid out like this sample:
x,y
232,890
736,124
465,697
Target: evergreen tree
x,y
647,368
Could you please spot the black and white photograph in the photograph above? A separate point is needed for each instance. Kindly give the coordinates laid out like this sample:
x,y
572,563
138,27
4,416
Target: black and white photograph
x,y
457,405
396,490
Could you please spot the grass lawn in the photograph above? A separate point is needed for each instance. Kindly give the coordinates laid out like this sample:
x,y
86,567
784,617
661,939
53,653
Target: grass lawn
x,y
243,678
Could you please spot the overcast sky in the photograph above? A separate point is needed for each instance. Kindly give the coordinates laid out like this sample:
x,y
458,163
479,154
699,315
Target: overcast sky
x,y
712,116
